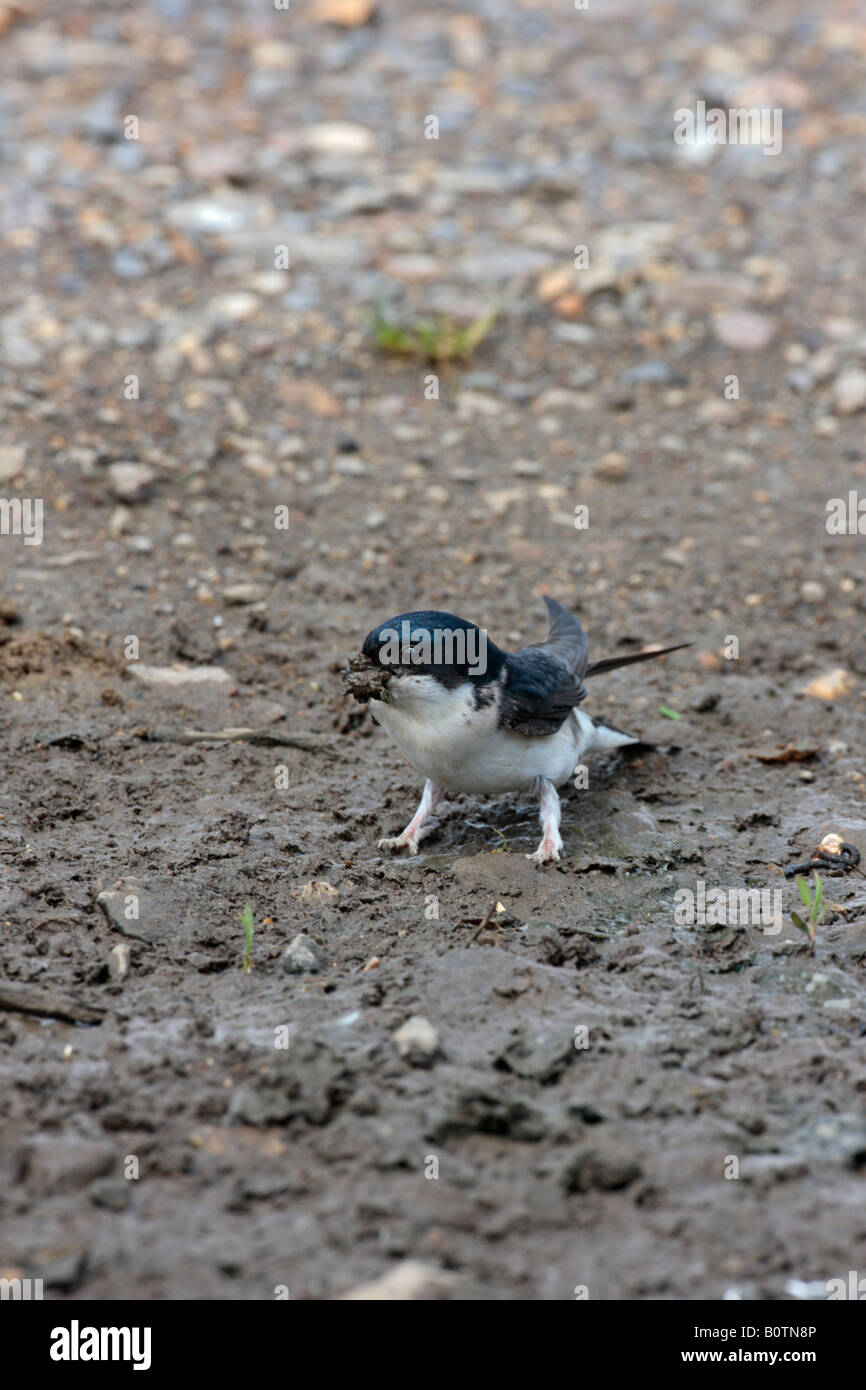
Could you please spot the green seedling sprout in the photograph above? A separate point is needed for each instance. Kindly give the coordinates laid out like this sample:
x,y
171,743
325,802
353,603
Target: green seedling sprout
x,y
435,340
247,924
814,906
667,713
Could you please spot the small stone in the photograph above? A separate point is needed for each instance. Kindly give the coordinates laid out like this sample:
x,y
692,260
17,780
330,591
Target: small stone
x,y
351,466
128,266
675,556
744,330
302,957
119,521
318,892
170,676
345,14
599,1170
832,685
613,467
417,1041
118,961
131,482
259,466
825,426
12,460
237,595
812,592
274,55
234,307
113,1194
411,1281
125,906
849,391
54,1165
704,700
800,380
292,447
339,138
538,1056
654,372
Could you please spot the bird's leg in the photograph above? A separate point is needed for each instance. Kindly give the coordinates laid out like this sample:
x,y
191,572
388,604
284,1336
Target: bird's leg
x,y
548,814
416,830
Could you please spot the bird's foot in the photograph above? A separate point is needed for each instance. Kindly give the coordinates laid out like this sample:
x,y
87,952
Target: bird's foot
x,y
398,842
547,852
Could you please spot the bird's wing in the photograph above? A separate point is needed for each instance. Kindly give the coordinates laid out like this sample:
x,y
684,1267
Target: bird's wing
x,y
538,693
566,642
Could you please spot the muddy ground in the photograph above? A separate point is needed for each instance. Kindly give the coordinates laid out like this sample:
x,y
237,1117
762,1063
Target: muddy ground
x,y
597,1065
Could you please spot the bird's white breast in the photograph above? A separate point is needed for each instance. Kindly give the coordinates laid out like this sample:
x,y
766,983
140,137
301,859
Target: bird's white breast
x,y
461,748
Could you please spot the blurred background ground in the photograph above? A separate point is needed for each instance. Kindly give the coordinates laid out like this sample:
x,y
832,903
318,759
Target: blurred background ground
x,y
164,387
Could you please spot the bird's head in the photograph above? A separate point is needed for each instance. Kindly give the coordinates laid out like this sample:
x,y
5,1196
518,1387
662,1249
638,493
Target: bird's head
x,y
429,654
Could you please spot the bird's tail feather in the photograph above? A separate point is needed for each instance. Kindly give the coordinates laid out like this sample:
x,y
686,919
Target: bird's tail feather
x,y
610,663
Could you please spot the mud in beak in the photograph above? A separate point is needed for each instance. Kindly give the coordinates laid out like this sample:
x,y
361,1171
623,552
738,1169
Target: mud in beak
x,y
364,680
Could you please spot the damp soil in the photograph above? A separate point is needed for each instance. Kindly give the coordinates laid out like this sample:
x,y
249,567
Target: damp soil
x,y
615,1101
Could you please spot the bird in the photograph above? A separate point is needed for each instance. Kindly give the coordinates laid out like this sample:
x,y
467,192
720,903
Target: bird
x,y
473,718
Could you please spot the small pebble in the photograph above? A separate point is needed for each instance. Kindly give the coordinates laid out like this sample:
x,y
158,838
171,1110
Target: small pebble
x,y
417,1041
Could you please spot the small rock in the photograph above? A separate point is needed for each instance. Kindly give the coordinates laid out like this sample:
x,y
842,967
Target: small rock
x,y
613,467
800,380
123,905
274,55
812,592
417,1041
318,891
744,330
339,138
849,391
704,699
599,1170
131,482
832,685
410,1281
654,372
234,308
239,594
825,426
180,675
118,961
111,1193
541,1057
302,957
350,466
12,460
345,14
120,520
54,1165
